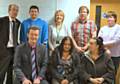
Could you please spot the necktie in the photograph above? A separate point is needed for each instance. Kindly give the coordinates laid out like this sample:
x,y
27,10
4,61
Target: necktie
x,y
14,33
33,64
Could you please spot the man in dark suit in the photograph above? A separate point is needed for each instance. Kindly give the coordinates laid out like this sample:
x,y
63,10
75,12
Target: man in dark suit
x,y
9,35
26,63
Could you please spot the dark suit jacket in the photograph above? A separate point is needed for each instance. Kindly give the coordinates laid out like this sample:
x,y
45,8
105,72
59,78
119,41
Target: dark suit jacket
x,y
4,38
22,61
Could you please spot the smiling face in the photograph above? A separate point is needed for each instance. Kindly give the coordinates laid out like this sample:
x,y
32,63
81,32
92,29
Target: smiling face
x,y
33,13
83,14
13,11
111,21
93,45
33,36
67,45
59,17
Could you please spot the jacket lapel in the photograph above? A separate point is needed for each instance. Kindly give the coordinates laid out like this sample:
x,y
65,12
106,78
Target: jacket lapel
x,y
28,53
37,55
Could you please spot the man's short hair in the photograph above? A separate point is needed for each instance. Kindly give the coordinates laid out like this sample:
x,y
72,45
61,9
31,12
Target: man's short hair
x,y
33,28
112,14
9,7
83,7
34,7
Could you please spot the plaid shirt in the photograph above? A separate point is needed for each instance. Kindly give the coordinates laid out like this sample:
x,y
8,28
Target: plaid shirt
x,y
82,32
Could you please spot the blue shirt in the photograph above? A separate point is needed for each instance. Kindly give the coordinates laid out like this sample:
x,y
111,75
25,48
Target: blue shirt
x,y
26,24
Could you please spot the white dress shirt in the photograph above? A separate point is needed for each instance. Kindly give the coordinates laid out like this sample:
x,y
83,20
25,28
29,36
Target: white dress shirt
x,y
10,42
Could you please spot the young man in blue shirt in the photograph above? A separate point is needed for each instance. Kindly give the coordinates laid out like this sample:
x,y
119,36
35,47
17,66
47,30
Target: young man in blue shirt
x,y
34,21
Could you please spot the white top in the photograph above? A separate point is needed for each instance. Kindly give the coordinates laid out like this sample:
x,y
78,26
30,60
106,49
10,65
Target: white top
x,y
111,35
55,35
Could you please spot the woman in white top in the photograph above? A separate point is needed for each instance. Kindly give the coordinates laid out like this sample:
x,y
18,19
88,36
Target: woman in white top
x,y
58,30
111,37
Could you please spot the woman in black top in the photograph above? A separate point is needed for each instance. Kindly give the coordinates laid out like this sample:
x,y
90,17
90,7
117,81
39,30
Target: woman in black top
x,y
65,63
97,67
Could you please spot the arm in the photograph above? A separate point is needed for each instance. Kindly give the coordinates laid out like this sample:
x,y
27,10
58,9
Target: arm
x,y
44,36
84,76
115,40
109,76
43,64
53,66
22,33
17,64
79,49
112,42
94,30
19,34
50,39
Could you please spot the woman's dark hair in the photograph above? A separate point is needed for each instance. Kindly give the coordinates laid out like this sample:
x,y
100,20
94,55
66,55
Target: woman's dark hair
x,y
62,44
99,41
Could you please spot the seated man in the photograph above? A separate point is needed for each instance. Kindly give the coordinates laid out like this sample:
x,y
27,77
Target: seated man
x,y
31,60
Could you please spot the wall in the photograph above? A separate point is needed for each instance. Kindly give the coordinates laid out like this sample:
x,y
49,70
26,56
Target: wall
x,y
107,5
47,8
70,8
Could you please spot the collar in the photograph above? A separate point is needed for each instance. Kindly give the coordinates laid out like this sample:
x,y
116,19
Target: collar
x,y
10,19
82,22
34,19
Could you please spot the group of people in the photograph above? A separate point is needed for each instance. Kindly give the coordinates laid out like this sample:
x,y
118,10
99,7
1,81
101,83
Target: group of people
x,y
39,53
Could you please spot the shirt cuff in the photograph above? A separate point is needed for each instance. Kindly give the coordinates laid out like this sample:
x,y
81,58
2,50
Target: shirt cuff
x,y
40,78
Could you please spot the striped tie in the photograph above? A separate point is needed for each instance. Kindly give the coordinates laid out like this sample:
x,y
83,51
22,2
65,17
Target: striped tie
x,y
33,64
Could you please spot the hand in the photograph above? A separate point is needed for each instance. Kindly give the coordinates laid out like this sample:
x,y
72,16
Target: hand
x,y
95,81
79,49
100,80
107,51
84,48
26,81
65,81
36,81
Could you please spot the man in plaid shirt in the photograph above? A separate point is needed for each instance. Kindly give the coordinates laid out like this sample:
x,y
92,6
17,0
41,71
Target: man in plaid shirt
x,y
83,29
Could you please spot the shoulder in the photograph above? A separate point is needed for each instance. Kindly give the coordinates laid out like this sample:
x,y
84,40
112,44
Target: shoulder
x,y
20,46
26,21
117,26
51,26
104,27
4,18
75,22
106,57
18,21
42,47
91,22
41,21
56,50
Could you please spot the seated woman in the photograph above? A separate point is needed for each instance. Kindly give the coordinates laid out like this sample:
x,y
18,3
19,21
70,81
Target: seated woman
x,y
65,63
97,67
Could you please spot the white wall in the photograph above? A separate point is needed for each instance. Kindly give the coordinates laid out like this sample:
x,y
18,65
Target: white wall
x,y
47,8
70,8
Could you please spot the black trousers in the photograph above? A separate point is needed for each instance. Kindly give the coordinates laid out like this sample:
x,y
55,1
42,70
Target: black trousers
x,y
9,79
116,62
3,68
